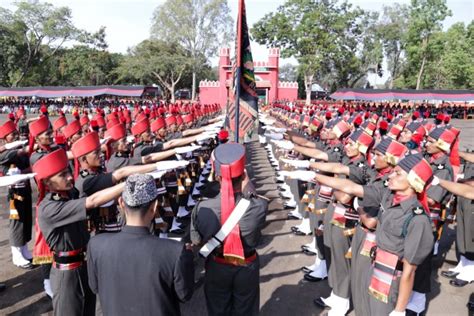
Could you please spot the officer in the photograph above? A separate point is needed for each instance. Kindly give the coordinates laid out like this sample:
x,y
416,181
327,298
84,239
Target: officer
x,y
61,220
157,274
231,283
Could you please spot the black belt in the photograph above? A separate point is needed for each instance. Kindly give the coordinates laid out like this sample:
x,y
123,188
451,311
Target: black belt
x,y
70,259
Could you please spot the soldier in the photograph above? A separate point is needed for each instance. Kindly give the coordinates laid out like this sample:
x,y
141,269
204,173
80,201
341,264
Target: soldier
x,y
62,218
91,178
232,269
15,161
403,237
157,274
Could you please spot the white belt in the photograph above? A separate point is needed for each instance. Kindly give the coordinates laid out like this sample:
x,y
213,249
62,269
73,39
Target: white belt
x,y
225,230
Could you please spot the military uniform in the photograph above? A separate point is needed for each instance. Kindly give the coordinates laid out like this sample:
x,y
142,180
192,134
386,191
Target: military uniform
x,y
121,159
403,232
62,221
19,195
231,282
229,289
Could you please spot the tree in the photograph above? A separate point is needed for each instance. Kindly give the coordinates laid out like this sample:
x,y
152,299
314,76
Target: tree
x,y
42,24
288,72
323,36
426,17
199,26
156,60
392,29
453,67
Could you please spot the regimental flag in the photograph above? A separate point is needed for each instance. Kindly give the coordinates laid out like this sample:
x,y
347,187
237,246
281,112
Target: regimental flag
x,y
248,99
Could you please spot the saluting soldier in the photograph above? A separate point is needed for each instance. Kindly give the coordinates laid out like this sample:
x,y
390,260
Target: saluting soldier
x,y
62,216
92,178
15,161
231,282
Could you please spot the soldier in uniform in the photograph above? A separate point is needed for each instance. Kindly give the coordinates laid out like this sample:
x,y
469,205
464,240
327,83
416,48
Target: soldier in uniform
x,y
157,274
463,273
92,178
62,218
232,270
15,161
404,235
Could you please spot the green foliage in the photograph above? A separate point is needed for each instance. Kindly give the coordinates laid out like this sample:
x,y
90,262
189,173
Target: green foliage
x,y
156,61
201,27
326,37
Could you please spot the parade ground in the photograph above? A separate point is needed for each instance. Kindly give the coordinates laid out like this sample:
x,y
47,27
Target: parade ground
x,y
282,288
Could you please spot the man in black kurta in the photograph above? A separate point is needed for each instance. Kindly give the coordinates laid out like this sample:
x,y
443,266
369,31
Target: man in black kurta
x,y
155,274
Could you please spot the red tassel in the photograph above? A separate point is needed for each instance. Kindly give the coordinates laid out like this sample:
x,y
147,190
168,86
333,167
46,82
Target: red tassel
x,y
232,244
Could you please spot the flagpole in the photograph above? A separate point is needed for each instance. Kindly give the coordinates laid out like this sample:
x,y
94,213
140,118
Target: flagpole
x,y
237,104
238,70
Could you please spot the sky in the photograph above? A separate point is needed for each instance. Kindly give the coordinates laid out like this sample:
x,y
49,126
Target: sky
x,y
128,22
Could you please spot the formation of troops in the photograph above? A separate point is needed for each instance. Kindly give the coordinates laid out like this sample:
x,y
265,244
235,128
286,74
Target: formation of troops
x,y
130,179
375,191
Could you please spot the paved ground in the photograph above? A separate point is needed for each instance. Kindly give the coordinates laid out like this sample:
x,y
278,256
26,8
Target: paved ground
x,y
282,290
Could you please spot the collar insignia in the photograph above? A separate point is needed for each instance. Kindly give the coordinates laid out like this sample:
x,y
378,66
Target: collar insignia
x,y
84,173
418,211
440,166
56,197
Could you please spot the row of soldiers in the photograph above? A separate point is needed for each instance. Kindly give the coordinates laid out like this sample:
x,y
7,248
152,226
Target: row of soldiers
x,y
375,192
129,178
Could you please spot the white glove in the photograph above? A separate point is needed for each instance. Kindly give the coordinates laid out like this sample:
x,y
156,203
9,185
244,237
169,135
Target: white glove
x,y
285,144
204,136
16,144
186,149
302,175
11,180
104,140
297,163
156,174
279,129
262,139
435,181
276,136
171,164
395,313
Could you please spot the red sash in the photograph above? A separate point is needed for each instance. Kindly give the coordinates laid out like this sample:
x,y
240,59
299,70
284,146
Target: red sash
x,y
369,243
338,218
41,252
325,193
385,265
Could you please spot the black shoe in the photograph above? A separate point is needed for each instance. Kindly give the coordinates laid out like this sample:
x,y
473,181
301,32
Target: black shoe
x,y
294,228
300,233
308,253
2,287
178,231
310,278
470,305
458,283
409,312
449,274
291,216
319,303
306,270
